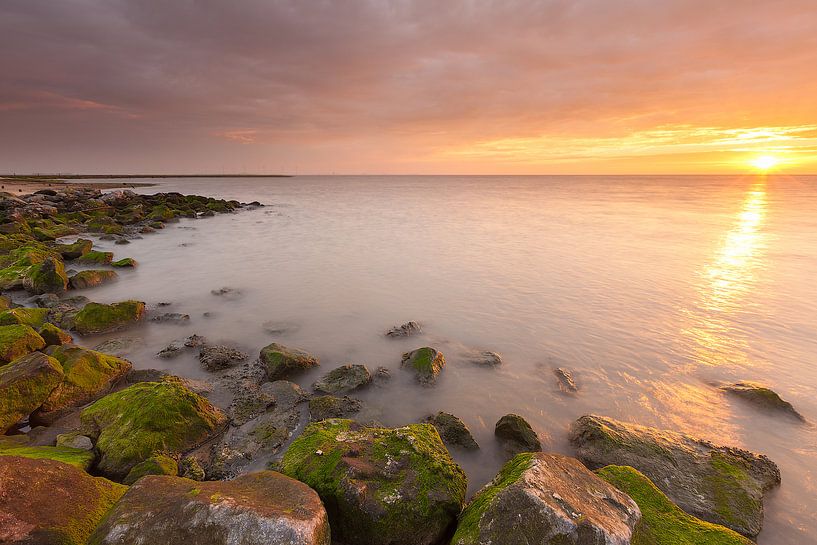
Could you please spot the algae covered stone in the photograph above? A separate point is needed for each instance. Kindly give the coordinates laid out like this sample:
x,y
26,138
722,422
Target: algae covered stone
x,y
45,502
662,522
155,465
91,278
426,362
54,336
18,445
128,262
101,318
25,384
148,418
381,486
453,430
280,361
719,484
516,434
18,340
262,508
95,257
47,277
35,317
345,378
763,397
74,250
547,499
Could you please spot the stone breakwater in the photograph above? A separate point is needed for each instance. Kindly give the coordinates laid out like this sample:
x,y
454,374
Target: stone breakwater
x,y
94,451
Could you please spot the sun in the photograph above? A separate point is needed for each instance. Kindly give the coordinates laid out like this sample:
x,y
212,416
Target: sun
x,y
764,162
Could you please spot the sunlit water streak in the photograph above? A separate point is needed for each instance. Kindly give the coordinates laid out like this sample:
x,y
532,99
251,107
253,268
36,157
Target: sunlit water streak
x,y
651,289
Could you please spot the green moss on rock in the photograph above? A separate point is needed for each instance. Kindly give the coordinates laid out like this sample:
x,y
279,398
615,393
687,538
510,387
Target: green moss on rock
x,y
146,419
155,465
125,262
95,257
426,362
74,250
280,361
18,340
17,445
34,317
662,522
91,278
24,384
54,336
100,318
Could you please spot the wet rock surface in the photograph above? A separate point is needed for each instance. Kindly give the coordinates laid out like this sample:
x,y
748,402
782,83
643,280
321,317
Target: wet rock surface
x,y
345,378
516,435
281,361
565,382
762,397
219,357
427,363
408,329
329,406
453,431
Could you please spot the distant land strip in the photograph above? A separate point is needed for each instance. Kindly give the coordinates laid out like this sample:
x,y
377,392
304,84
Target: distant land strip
x,y
41,177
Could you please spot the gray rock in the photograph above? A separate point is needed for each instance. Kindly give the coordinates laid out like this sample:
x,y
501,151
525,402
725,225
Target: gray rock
x,y
329,406
719,484
484,358
517,435
564,379
547,499
218,357
120,346
406,330
345,378
171,318
763,397
453,431
75,440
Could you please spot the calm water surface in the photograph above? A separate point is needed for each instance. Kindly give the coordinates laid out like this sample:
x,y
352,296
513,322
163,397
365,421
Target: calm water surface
x,y
652,290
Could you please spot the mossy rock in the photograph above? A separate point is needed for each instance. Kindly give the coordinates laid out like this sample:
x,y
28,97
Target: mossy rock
x,y
345,378
763,397
426,362
148,418
34,317
18,445
155,465
18,340
662,522
100,318
547,499
74,250
281,361
6,302
47,277
87,374
516,434
24,384
75,439
47,502
125,262
54,336
95,257
453,431
380,486
30,264
91,278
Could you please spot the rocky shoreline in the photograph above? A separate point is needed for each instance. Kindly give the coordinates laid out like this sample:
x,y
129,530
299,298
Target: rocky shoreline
x,y
127,456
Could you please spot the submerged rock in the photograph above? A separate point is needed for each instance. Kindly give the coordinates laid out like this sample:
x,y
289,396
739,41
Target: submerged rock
x,y
517,435
218,357
274,327
453,431
171,317
484,358
25,384
263,508
148,418
662,522
120,346
427,363
763,397
91,278
18,340
723,485
381,486
61,506
329,406
99,318
280,361
345,378
406,330
547,499
564,379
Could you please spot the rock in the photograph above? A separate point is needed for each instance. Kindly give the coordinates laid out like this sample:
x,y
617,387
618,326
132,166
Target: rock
x,y
19,445
54,336
229,293
177,347
24,384
122,241
279,328
249,403
263,508
762,397
121,346
74,250
125,262
194,341
48,277
35,317
382,375
87,374
75,440
381,486
61,506
329,406
345,378
95,257
280,361
484,358
406,330
453,431
145,419
547,499
91,278
190,468
18,340
218,357
722,485
661,520
426,362
155,465
99,318
516,434
171,317
146,375
564,380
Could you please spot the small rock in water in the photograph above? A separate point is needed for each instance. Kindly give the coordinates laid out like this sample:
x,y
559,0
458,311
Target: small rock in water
x,y
171,317
163,304
426,362
763,397
279,328
345,378
565,381
406,330
194,341
172,350
453,430
228,293
218,357
485,358
517,435
381,376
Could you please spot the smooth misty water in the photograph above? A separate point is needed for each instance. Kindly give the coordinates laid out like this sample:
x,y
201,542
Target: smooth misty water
x,y
651,289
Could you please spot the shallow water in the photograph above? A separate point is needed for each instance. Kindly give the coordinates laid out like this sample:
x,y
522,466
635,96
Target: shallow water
x,y
650,289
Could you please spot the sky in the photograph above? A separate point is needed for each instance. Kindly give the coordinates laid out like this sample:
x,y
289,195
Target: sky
x,y
407,87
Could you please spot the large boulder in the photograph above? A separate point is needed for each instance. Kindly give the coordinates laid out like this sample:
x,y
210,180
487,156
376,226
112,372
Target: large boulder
x,y
100,318
148,418
45,502
47,277
91,278
35,317
662,523
280,361
426,362
345,378
25,384
87,375
27,263
381,486
719,484
516,434
547,499
18,340
763,397
263,508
